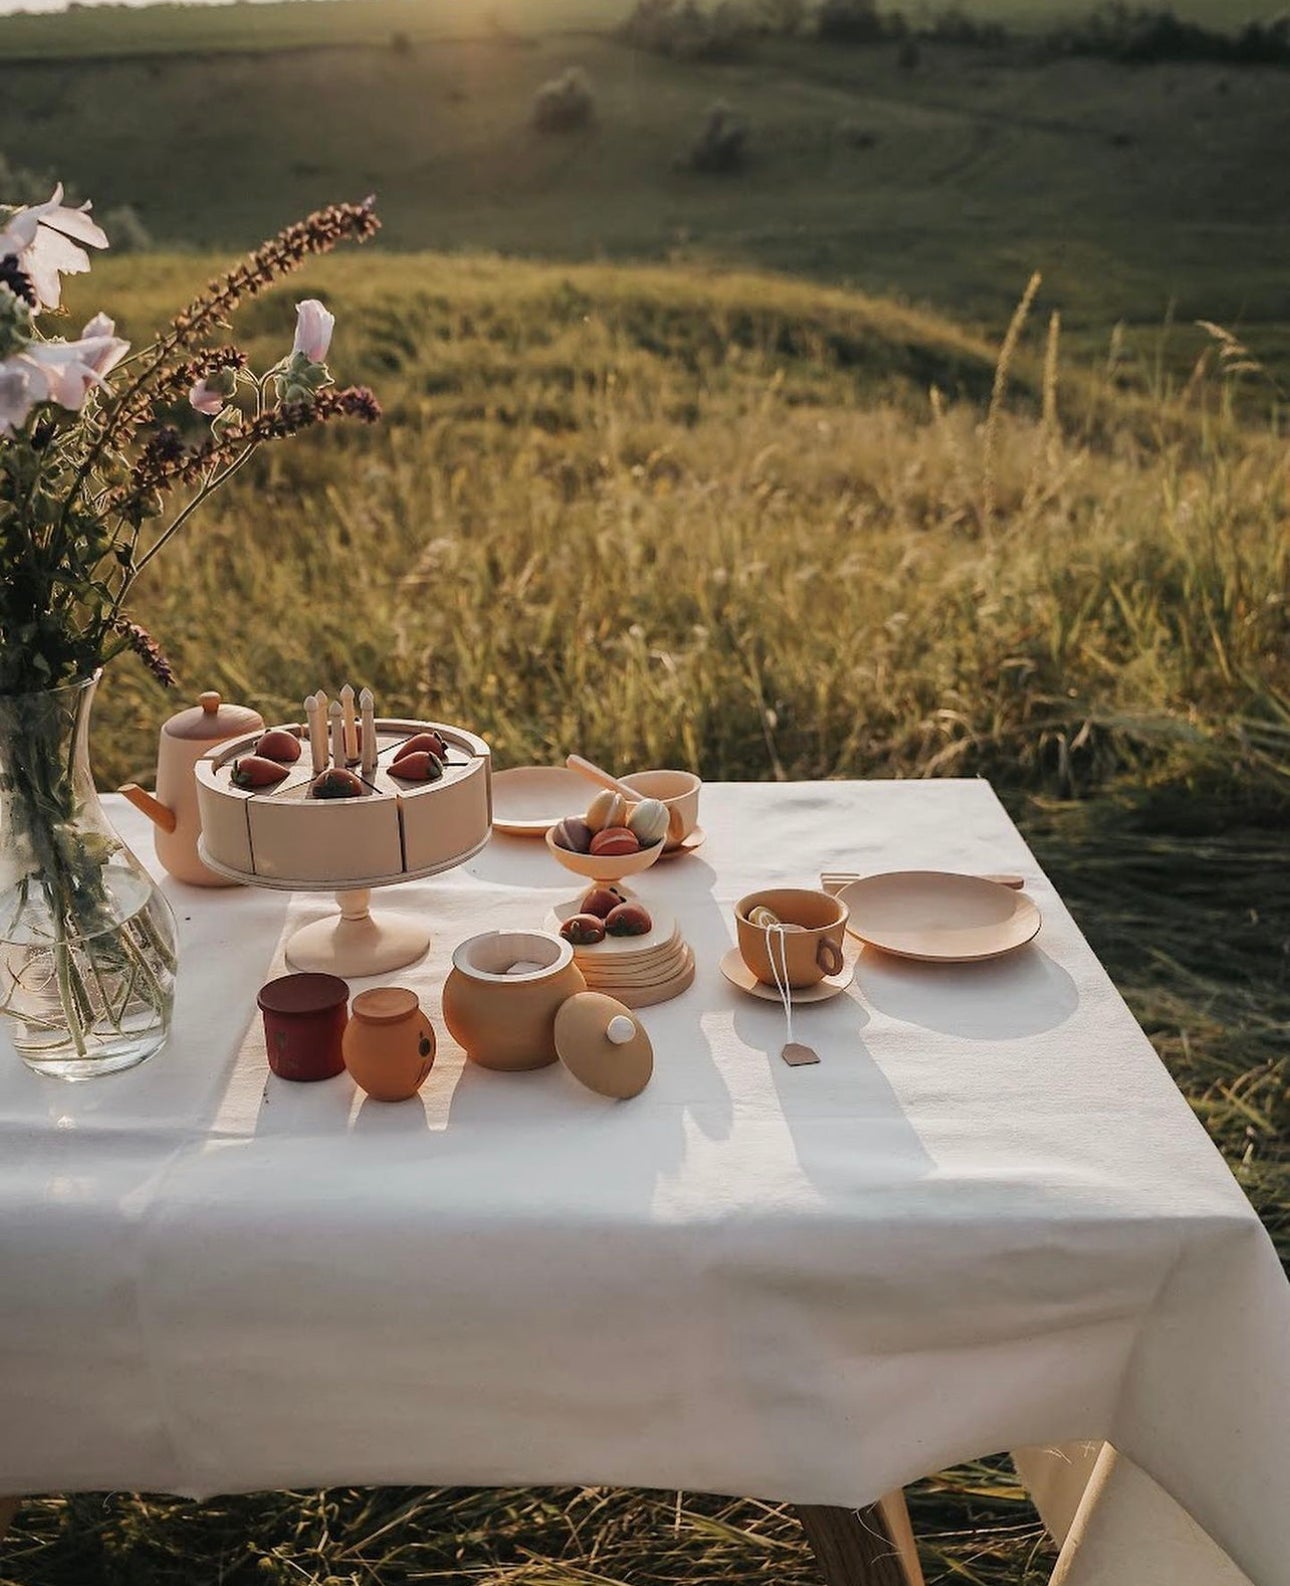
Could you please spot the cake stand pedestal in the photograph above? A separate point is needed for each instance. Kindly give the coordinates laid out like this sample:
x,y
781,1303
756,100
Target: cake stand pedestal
x,y
356,942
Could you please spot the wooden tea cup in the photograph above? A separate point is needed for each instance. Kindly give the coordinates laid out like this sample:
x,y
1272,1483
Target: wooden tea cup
x,y
678,790
813,950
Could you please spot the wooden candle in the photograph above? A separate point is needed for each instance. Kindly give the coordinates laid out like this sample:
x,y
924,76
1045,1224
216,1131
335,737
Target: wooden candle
x,y
368,707
337,735
350,724
317,733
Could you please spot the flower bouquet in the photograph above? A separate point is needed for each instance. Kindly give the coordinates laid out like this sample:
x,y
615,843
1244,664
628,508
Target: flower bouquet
x,y
105,454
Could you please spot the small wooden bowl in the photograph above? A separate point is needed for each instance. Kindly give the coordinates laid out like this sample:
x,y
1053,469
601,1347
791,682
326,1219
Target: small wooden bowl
x,y
604,867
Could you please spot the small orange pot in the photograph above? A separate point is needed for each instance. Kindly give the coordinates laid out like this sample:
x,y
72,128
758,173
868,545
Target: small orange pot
x,y
389,1043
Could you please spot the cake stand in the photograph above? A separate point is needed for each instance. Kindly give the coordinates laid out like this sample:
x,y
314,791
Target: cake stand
x,y
281,839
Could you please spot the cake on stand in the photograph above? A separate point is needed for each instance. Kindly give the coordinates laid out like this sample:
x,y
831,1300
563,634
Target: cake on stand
x,y
377,824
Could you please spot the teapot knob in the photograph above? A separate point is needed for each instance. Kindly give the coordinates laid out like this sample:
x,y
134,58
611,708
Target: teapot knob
x,y
209,701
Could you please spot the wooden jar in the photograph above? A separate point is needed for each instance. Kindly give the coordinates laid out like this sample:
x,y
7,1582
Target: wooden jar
x,y
304,1021
507,1021
389,1043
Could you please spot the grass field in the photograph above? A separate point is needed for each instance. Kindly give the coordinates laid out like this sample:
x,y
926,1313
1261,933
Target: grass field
x,y
1139,192
669,516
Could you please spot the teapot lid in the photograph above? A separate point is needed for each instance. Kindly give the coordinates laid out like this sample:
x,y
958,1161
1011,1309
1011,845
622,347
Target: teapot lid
x,y
210,719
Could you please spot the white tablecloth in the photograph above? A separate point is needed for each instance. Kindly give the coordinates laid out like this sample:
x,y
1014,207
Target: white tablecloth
x,y
986,1220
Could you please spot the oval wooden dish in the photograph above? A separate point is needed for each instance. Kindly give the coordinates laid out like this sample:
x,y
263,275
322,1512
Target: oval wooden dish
x,y
938,917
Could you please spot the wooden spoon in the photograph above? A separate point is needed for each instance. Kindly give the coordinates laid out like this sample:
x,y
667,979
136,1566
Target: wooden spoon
x,y
593,773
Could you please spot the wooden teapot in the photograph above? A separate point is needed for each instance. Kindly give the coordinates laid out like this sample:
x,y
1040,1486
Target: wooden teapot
x,y
185,738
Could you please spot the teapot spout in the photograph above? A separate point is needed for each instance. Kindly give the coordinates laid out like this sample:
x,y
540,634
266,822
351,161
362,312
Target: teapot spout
x,y
152,807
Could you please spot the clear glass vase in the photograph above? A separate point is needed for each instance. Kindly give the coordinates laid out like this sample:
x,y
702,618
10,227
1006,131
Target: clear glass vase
x,y
87,941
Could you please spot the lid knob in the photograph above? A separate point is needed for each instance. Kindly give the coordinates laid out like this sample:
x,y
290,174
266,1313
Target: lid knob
x,y
209,701
620,1029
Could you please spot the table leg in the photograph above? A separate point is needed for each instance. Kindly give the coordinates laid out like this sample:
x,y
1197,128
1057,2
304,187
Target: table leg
x,y
8,1508
1056,1479
873,1546
1128,1528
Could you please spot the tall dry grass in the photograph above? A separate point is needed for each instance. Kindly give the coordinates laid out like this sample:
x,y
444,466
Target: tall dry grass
x,y
717,528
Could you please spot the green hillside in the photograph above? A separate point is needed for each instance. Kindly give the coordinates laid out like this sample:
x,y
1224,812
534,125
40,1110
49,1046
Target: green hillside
x,y
98,30
1131,189
120,30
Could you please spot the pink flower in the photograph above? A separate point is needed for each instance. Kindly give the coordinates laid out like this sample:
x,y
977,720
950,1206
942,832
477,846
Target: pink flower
x,y
314,325
44,238
205,399
58,371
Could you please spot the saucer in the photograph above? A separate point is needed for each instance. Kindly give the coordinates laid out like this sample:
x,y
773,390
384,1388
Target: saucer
x,y
688,846
739,974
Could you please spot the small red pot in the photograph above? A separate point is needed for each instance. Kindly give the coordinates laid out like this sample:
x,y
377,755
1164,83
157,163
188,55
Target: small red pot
x,y
304,1021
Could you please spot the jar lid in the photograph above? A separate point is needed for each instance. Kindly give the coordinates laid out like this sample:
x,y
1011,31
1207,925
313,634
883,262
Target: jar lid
x,y
385,1004
603,1046
305,993
210,720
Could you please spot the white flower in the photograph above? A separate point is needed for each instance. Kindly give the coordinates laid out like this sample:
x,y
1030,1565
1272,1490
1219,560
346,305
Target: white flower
x,y
21,387
44,238
205,399
314,325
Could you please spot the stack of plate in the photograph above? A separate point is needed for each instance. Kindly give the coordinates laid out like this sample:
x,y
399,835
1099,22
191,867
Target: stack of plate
x,y
637,970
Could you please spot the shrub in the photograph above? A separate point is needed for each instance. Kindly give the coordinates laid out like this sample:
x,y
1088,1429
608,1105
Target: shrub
x,y
780,18
855,135
953,26
564,104
849,21
1142,35
686,30
722,147
21,186
125,231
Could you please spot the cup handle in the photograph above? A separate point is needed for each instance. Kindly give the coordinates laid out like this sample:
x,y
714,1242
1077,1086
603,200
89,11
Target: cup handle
x,y
828,955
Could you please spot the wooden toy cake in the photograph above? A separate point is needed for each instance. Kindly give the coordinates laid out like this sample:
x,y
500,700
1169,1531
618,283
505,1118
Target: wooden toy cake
x,y
345,804
381,819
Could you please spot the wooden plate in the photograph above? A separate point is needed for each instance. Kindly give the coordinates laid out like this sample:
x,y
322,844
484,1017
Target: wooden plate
x,y
530,799
657,975
648,996
938,917
739,974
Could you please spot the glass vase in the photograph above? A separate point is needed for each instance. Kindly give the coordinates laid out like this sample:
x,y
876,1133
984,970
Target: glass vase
x,y
87,941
